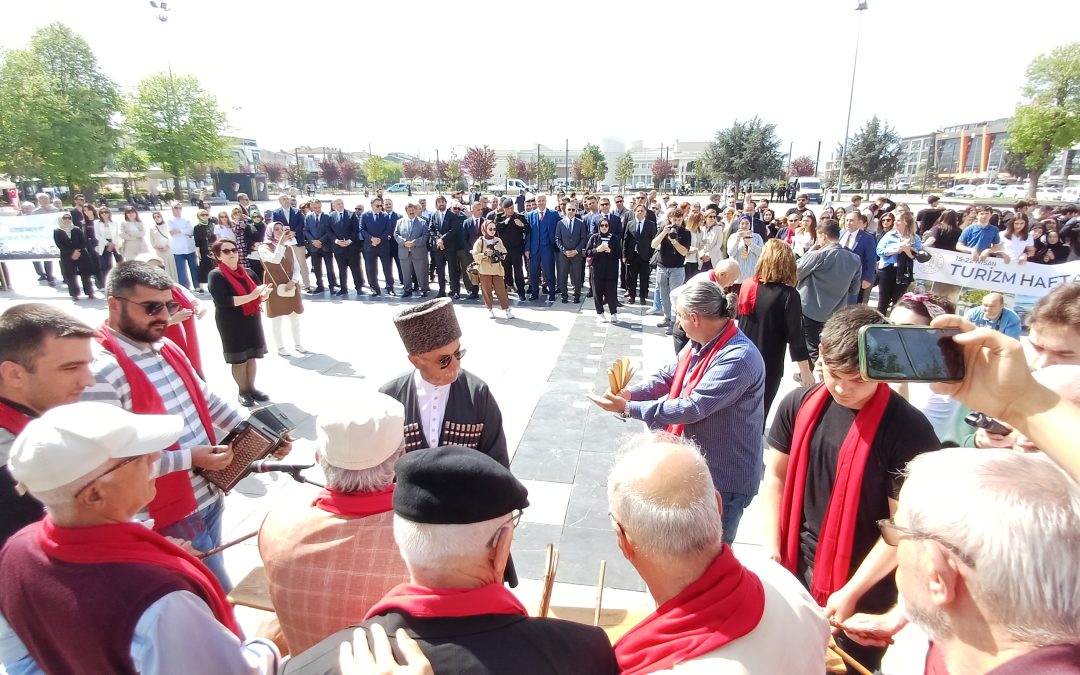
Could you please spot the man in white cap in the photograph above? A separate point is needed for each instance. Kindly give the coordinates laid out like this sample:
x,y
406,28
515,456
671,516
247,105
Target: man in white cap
x,y
330,561
87,590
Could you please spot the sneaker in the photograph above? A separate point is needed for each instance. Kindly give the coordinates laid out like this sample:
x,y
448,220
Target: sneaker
x,y
614,318
491,313
600,318
282,351
653,312
301,350
663,324
509,314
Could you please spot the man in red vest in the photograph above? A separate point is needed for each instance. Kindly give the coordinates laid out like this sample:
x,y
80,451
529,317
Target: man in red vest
x,y
44,362
87,590
139,370
714,613
835,467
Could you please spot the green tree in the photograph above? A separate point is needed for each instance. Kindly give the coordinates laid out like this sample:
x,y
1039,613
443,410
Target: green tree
x,y
134,163
593,163
453,170
745,151
394,172
873,153
55,119
1049,121
375,169
512,166
176,123
624,170
545,171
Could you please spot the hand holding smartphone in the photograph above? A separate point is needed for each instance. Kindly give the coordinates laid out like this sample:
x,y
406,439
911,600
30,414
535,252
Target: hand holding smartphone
x,y
890,353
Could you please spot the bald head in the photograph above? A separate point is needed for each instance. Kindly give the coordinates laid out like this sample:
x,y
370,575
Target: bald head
x,y
992,304
727,272
661,494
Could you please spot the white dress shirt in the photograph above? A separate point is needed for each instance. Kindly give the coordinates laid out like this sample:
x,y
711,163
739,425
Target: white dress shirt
x,y
431,400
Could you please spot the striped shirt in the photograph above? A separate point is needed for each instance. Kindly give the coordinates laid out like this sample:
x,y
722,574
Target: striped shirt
x,y
112,387
724,414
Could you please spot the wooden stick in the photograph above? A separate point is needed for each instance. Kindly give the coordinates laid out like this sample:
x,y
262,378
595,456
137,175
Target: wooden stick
x,y
599,593
850,660
219,549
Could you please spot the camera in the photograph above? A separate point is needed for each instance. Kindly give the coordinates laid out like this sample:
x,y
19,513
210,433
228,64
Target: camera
x,y
673,235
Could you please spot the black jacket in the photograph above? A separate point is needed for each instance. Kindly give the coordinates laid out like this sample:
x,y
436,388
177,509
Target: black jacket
x,y
639,245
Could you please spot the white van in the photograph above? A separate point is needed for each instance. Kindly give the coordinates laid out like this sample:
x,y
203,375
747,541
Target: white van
x,y
809,186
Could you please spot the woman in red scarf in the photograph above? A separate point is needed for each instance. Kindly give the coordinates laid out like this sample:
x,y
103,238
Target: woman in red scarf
x,y
238,301
770,313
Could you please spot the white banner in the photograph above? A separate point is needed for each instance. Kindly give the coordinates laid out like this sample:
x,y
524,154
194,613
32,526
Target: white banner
x,y
994,274
28,237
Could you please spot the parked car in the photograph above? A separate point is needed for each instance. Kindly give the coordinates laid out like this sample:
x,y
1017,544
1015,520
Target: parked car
x,y
1071,194
988,191
1049,195
398,187
960,191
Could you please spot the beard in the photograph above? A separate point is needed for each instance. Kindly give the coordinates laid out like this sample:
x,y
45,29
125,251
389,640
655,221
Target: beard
x,y
934,621
148,333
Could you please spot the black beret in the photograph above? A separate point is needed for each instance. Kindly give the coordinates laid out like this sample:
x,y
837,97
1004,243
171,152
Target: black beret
x,y
454,485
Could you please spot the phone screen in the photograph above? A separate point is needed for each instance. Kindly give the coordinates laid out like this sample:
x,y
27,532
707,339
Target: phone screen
x,y
910,354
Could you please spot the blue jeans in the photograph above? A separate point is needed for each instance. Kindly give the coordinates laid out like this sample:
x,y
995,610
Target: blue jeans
x,y
667,279
185,262
203,530
656,305
734,505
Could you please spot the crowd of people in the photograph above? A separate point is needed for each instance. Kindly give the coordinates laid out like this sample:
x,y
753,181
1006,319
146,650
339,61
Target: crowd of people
x,y
960,499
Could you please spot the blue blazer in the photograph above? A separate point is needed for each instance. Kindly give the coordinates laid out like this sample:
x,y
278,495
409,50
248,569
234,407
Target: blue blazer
x,y
542,232
318,227
344,226
376,225
866,248
294,219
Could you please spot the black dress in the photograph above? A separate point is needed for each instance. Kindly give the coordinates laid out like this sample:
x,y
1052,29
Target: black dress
x,y
75,270
204,236
241,335
775,326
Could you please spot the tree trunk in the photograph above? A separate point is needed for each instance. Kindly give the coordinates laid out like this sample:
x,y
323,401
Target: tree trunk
x,y
1033,183
71,189
177,195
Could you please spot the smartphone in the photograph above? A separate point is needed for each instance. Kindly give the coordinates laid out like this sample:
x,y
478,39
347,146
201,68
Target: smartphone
x,y
981,421
910,354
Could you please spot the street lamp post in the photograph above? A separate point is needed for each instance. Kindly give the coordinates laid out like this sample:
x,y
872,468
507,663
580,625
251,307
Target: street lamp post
x,y
860,8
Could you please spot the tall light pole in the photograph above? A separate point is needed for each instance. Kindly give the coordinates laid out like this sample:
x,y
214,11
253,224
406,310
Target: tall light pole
x,y
860,8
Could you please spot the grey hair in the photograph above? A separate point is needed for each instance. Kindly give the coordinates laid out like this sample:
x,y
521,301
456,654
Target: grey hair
x,y
373,479
437,546
659,527
706,299
1018,516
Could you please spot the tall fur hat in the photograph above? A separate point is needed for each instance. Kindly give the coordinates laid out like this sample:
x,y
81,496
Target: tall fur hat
x,y
428,326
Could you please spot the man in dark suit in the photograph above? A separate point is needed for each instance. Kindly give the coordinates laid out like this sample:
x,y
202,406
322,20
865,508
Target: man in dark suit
x,y
860,242
637,252
291,216
435,245
376,231
319,243
520,201
450,240
540,249
513,229
570,238
346,245
473,228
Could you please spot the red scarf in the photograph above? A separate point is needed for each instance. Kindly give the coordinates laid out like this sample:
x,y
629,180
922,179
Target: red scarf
x,y
832,561
185,334
357,504
133,543
677,387
724,604
174,500
13,420
423,602
748,296
242,284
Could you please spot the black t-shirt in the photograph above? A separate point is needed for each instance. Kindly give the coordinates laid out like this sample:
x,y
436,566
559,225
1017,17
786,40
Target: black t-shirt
x,y
927,217
943,237
669,257
904,433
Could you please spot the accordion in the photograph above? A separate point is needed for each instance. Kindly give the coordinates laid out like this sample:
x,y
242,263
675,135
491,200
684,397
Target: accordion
x,y
253,439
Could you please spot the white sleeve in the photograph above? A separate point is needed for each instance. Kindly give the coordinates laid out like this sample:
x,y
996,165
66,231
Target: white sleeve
x,y
274,256
178,635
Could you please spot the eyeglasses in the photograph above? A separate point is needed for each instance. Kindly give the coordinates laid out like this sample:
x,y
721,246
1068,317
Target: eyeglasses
x,y
890,533
153,307
65,217
228,251
121,465
515,518
445,360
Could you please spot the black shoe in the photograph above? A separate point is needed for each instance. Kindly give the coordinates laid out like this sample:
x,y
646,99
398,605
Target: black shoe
x,y
589,294
407,294
441,294
577,299
618,303
259,396
534,297
317,290
454,296
246,400
474,295
375,294
390,291
551,298
565,299
342,292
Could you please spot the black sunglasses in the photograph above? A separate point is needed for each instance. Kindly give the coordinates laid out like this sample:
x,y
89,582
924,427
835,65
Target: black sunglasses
x,y
228,251
444,361
153,307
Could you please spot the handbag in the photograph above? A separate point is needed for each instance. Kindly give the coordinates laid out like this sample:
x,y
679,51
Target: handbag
x,y
282,290
473,270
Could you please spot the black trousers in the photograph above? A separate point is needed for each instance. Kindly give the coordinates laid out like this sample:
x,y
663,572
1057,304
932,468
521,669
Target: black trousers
x,y
463,259
637,277
574,268
812,333
513,273
73,273
397,261
888,291
318,257
348,259
440,258
44,269
373,256
604,281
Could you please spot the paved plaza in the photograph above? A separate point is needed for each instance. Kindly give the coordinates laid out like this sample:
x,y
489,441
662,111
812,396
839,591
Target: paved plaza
x,y
539,366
